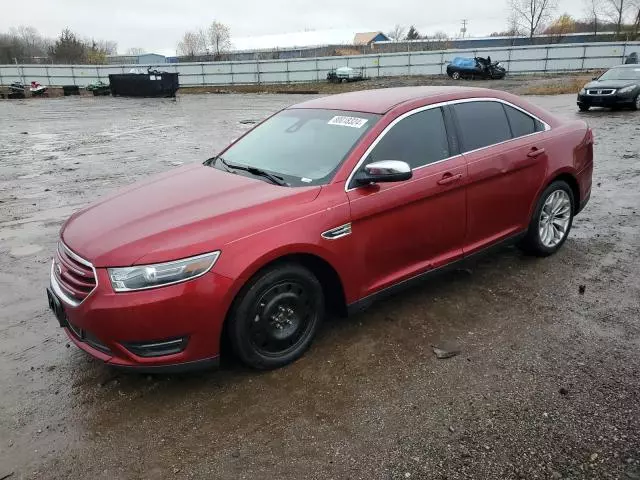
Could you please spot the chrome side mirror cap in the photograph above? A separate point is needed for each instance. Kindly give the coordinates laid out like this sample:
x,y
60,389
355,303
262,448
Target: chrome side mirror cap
x,y
384,171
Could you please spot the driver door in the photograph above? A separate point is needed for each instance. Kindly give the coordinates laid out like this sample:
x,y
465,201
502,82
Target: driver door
x,y
403,229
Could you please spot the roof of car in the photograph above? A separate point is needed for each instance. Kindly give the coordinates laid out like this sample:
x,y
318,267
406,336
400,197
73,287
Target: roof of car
x,y
380,101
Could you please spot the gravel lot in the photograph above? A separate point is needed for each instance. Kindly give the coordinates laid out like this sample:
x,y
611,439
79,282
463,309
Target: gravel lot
x,y
547,384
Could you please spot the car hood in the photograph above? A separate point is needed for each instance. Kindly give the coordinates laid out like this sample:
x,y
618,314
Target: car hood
x,y
610,84
184,212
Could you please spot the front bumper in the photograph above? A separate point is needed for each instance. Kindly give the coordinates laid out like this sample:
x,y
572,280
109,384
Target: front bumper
x,y
607,101
106,324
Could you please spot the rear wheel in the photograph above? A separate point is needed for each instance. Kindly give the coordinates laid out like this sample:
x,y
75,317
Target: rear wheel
x,y
276,316
636,104
551,221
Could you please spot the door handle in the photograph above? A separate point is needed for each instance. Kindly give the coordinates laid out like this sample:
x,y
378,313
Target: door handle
x,y
535,152
447,179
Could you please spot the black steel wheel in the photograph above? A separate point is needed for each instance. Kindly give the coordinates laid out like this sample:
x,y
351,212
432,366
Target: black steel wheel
x,y
276,316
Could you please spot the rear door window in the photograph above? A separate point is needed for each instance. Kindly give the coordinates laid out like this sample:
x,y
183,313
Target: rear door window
x,y
481,124
418,140
521,123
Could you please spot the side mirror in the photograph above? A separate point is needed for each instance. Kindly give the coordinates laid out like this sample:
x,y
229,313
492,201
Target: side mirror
x,y
595,78
384,171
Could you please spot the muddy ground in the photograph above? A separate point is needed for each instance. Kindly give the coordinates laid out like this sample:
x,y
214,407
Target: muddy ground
x,y
547,384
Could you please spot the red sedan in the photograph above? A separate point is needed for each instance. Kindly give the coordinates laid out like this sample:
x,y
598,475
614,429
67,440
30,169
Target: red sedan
x,y
327,205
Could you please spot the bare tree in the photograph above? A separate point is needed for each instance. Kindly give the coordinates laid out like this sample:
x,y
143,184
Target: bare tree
x,y
397,34
532,14
192,44
616,10
636,23
219,37
33,44
136,51
594,11
109,47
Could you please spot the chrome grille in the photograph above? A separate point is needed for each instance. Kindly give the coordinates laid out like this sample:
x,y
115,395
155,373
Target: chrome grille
x,y
74,275
601,91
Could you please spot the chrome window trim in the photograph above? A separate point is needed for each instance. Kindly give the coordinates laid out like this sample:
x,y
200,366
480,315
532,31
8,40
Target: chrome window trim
x,y
55,286
373,145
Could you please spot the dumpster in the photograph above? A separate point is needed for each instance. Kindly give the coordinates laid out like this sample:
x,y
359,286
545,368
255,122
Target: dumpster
x,y
151,84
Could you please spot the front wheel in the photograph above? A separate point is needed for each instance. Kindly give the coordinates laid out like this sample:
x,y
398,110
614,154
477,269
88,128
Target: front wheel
x,y
551,222
456,75
583,107
276,316
636,104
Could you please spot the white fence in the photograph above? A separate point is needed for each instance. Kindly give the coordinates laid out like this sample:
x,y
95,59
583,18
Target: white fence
x,y
535,59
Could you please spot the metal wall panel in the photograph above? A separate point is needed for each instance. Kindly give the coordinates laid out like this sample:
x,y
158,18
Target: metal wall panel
x,y
243,67
245,77
566,52
425,70
395,60
214,79
561,57
272,66
273,77
600,63
564,64
394,71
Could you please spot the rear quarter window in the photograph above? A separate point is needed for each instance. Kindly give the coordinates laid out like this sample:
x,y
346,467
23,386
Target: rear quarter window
x,y
481,124
521,123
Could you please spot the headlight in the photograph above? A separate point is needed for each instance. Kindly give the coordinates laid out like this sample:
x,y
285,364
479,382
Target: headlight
x,y
628,89
160,274
583,91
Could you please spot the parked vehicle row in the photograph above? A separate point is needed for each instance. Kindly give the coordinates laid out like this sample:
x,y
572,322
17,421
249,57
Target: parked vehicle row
x,y
324,207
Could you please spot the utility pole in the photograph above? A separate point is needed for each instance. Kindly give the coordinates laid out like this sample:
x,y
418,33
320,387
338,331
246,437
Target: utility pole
x,y
463,30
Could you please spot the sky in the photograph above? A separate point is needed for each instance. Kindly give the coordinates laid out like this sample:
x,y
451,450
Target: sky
x,y
158,25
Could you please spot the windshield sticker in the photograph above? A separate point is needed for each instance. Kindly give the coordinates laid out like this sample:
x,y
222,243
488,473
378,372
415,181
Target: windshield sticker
x,y
306,180
353,122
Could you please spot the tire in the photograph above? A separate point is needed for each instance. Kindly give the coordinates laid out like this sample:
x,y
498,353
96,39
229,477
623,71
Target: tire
x,y
456,75
636,103
537,242
276,316
583,107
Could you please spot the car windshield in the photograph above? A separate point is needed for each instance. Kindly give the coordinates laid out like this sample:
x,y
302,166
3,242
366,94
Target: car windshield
x,y
622,74
302,146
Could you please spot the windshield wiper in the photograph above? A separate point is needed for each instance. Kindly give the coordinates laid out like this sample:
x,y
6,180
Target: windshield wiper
x,y
276,179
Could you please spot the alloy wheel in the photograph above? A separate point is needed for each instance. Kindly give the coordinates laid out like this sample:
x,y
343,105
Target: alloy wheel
x,y
554,219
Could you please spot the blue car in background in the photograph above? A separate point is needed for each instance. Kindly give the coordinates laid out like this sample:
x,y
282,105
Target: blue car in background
x,y
477,67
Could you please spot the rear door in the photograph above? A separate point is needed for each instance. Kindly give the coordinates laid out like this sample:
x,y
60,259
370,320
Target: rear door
x,y
504,148
402,229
